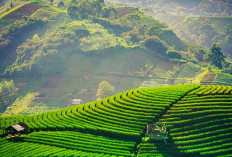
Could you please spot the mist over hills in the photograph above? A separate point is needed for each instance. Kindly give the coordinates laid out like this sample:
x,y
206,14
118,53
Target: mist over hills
x,y
53,50
183,7
203,22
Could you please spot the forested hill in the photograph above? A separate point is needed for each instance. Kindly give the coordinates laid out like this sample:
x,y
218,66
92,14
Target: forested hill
x,y
55,51
183,7
201,22
39,32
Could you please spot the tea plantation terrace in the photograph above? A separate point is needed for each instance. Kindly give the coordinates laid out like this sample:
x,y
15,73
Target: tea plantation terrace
x,y
198,117
200,124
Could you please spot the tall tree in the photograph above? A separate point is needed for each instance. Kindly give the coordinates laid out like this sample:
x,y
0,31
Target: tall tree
x,y
84,9
216,56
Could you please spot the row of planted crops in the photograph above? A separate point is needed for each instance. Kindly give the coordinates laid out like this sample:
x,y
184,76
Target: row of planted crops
x,y
24,149
112,126
200,124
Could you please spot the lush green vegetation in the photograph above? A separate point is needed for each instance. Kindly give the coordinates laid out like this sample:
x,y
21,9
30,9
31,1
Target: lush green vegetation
x,y
60,49
20,105
82,141
182,7
8,92
90,33
198,119
206,31
97,117
55,51
200,124
223,79
202,22
35,149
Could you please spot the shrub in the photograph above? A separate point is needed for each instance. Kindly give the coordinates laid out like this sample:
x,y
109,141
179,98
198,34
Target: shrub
x,y
154,30
173,54
155,44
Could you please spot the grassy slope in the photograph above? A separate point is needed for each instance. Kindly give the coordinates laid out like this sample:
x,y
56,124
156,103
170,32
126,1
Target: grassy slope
x,y
199,119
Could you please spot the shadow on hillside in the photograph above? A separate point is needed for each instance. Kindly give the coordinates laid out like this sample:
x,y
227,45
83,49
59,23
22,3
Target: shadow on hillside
x,y
171,150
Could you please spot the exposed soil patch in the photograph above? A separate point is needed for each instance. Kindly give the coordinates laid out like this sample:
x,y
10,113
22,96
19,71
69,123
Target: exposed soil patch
x,y
125,11
27,10
14,5
208,78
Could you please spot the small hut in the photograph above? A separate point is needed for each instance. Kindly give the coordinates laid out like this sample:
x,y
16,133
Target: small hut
x,y
17,128
157,132
76,101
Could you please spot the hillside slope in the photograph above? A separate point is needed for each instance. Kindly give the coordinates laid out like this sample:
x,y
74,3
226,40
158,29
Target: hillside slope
x,y
198,117
183,7
54,53
206,31
201,22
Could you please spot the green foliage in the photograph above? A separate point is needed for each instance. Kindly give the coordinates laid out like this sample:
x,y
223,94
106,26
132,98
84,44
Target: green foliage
x,y
135,38
199,123
20,104
36,52
131,111
216,56
36,149
198,118
167,35
156,45
85,8
206,31
105,89
228,70
154,30
226,43
183,7
189,70
223,79
82,142
13,32
173,54
112,27
40,55
8,92
139,21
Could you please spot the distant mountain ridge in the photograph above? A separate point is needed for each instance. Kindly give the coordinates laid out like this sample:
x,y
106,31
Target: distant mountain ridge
x,y
203,22
183,7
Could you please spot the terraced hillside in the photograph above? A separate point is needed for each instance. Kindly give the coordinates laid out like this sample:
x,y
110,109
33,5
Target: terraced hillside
x,y
200,124
199,119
